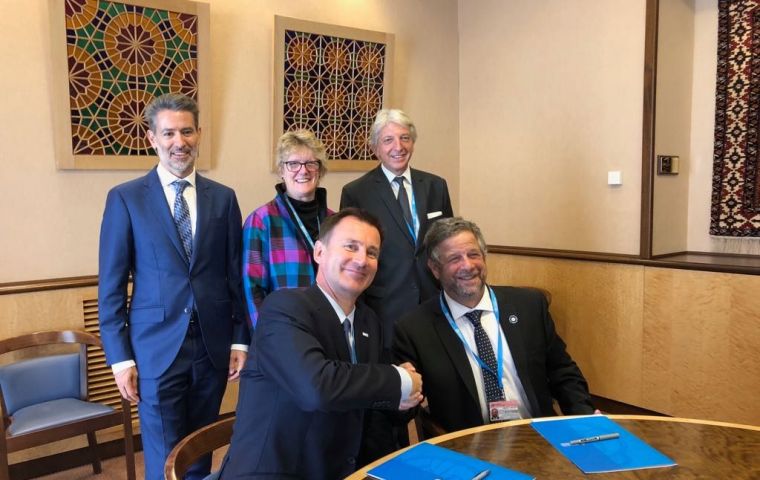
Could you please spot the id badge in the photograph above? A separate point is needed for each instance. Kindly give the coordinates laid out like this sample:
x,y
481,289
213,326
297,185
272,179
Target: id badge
x,y
504,410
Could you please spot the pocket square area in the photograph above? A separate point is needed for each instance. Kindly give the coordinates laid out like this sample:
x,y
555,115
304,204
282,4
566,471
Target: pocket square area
x,y
434,214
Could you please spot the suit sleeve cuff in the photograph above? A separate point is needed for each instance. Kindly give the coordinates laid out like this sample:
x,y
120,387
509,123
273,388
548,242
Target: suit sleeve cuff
x,y
121,366
239,346
406,383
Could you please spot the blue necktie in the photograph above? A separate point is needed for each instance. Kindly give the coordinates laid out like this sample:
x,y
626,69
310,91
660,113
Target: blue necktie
x,y
485,352
347,331
182,217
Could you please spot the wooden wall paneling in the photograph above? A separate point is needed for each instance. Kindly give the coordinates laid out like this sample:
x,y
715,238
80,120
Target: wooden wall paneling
x,y
597,308
701,339
61,309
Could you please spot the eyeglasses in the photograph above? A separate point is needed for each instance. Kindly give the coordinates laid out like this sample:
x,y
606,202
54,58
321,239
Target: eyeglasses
x,y
293,167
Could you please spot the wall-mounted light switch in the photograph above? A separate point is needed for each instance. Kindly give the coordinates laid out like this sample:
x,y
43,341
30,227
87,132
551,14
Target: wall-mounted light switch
x,y
667,164
615,178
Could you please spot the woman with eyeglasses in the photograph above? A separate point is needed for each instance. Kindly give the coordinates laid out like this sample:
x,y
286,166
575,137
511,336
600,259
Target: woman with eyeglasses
x,y
279,236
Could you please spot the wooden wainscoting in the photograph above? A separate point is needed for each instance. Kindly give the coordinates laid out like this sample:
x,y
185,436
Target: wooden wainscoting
x,y
680,342
69,306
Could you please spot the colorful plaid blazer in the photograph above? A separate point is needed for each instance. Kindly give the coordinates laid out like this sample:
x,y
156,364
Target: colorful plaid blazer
x,y
276,253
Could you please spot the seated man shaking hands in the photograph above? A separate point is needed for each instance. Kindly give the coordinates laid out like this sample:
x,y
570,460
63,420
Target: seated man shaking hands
x,y
314,366
487,354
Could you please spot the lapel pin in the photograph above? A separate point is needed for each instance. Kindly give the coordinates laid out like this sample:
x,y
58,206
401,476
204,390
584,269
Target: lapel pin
x,y
365,334
513,319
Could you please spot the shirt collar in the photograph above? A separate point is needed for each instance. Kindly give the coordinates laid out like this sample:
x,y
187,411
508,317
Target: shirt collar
x,y
167,178
458,310
338,311
391,176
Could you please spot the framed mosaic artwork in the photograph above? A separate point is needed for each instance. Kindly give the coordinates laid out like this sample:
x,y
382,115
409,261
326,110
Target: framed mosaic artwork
x,y
109,60
331,80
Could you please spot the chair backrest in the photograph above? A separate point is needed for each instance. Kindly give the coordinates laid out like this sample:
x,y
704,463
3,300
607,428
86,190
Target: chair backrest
x,y
30,381
195,445
38,380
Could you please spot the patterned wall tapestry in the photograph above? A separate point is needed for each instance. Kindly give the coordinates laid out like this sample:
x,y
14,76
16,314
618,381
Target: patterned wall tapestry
x,y
735,208
333,82
119,56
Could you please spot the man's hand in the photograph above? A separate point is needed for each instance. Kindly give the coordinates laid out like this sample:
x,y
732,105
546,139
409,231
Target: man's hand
x,y
237,361
416,396
126,380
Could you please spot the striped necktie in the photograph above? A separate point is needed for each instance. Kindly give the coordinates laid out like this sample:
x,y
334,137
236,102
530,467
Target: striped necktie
x,y
182,217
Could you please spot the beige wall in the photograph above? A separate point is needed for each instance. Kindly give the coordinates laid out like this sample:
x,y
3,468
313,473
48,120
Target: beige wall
x,y
673,123
702,124
550,101
50,219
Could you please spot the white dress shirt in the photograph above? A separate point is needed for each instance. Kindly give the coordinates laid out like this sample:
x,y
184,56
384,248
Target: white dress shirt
x,y
409,192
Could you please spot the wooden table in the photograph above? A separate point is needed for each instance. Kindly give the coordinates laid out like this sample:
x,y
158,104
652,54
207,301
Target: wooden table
x,y
702,449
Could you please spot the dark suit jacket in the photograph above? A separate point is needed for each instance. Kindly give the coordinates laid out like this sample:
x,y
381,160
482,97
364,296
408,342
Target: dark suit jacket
x,y
138,237
425,338
403,279
301,400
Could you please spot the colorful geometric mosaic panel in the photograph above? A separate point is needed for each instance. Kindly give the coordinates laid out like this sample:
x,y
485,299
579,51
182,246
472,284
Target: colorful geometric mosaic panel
x,y
333,86
120,57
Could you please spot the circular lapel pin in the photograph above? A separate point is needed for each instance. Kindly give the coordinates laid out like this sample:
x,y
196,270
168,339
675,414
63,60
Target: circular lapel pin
x,y
513,319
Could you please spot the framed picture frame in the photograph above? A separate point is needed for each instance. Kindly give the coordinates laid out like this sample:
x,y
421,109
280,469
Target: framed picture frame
x,y
331,80
109,60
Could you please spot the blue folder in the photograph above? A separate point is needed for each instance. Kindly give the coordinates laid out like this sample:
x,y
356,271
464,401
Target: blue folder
x,y
425,461
627,452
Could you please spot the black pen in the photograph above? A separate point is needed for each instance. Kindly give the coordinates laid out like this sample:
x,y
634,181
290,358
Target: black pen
x,y
595,438
481,475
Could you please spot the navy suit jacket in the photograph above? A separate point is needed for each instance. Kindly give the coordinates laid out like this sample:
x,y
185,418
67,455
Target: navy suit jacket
x,y
545,369
138,237
301,402
403,279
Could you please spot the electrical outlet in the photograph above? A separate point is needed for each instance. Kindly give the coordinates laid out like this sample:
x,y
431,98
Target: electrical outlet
x,y
667,164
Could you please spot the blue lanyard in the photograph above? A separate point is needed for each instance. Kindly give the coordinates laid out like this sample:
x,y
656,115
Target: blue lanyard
x,y
455,327
300,223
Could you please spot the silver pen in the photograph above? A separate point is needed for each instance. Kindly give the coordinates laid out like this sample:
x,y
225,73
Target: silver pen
x,y
595,438
481,475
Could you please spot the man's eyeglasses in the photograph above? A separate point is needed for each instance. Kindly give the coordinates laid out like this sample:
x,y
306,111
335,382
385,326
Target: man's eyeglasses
x,y
293,167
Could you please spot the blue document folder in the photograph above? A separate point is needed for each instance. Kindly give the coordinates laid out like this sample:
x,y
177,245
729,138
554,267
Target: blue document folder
x,y
425,461
626,452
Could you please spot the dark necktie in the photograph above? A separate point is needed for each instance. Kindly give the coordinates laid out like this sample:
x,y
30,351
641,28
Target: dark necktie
x,y
403,201
182,217
485,352
347,331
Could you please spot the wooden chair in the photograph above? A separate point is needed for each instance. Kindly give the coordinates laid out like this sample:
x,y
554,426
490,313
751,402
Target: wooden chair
x,y
44,399
196,445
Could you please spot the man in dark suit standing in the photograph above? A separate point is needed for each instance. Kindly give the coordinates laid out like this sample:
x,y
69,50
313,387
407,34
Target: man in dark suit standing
x,y
314,366
406,201
184,330
487,354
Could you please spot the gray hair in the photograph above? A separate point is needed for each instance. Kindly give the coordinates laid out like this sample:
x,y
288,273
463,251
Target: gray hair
x,y
170,101
445,228
390,115
289,142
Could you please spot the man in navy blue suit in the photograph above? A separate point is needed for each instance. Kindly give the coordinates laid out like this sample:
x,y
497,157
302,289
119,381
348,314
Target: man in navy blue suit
x,y
183,334
316,365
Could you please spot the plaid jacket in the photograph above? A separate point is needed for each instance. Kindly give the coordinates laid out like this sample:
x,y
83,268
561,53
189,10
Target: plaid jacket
x,y
275,252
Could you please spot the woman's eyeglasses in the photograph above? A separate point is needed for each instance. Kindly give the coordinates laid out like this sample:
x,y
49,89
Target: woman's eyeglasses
x,y
293,167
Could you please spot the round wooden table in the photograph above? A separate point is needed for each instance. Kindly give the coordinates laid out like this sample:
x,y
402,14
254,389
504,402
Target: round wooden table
x,y
702,449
